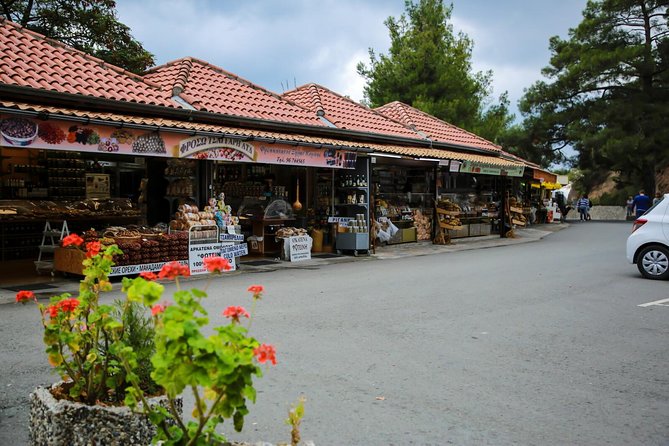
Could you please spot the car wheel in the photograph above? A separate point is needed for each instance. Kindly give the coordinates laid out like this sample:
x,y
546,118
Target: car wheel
x,y
653,262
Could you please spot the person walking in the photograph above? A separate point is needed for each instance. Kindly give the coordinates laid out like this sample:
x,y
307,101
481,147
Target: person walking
x,y
630,206
583,204
657,198
642,203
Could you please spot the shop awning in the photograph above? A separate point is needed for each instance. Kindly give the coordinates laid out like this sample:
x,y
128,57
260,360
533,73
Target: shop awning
x,y
441,154
475,162
175,125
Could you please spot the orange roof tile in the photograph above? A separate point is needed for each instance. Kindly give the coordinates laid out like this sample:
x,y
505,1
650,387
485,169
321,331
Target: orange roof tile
x,y
31,60
345,113
210,88
434,128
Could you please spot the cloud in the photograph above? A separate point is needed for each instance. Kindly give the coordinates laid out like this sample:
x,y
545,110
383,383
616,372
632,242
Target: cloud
x,y
294,42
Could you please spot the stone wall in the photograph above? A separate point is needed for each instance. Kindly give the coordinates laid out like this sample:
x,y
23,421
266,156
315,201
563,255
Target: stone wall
x,y
610,213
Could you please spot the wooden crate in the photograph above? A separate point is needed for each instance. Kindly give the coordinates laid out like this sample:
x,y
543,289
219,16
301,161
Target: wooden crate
x,y
68,260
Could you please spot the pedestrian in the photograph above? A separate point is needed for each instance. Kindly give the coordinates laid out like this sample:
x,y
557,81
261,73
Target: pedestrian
x,y
657,198
630,206
583,204
642,203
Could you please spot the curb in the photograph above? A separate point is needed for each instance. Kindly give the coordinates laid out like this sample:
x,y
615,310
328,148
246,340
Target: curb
x,y
394,252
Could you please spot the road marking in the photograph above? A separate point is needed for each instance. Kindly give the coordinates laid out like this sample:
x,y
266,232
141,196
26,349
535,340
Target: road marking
x,y
662,303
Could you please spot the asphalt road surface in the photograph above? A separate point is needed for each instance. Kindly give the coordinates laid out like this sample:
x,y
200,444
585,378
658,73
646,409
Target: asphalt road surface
x,y
533,344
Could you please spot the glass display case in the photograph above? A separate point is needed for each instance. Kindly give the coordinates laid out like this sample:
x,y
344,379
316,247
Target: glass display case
x,y
260,219
262,209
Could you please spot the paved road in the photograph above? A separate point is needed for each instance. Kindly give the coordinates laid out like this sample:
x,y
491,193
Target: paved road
x,y
532,344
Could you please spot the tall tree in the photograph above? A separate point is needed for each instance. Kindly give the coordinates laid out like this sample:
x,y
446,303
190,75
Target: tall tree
x,y
429,67
607,91
87,25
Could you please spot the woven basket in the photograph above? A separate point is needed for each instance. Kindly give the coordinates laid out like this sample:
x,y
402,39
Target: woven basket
x,y
128,239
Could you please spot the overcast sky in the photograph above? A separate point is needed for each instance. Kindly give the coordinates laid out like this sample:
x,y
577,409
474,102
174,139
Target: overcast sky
x,y
279,43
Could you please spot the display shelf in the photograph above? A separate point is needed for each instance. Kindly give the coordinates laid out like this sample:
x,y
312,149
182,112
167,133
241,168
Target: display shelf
x,y
350,206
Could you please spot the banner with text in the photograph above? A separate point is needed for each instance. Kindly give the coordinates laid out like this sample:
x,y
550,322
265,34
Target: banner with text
x,y
489,169
265,153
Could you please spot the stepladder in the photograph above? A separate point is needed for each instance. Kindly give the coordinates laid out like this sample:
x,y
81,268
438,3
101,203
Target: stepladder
x,y
51,238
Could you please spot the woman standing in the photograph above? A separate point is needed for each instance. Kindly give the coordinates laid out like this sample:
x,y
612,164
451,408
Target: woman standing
x,y
583,204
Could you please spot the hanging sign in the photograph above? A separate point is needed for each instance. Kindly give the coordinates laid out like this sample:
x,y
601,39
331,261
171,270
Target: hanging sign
x,y
235,148
489,169
275,153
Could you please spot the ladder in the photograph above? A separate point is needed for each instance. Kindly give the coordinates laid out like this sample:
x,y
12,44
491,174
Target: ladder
x,y
51,237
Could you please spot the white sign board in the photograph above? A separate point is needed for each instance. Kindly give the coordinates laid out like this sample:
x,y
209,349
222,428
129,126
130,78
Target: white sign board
x,y
198,252
342,221
128,270
299,247
232,251
231,237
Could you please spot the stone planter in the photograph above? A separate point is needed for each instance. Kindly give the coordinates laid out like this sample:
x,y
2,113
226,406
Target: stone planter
x,y
61,422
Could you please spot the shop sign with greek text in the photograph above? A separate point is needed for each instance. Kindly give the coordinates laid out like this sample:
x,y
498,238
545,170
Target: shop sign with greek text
x,y
197,254
300,248
231,237
341,221
128,270
279,153
232,251
488,169
236,147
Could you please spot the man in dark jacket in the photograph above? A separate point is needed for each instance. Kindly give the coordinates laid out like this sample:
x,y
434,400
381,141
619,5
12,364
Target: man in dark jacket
x,y
642,203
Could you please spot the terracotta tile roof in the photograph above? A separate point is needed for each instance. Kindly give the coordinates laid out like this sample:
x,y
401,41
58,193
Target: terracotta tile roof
x,y
434,128
167,124
345,113
524,162
210,88
29,59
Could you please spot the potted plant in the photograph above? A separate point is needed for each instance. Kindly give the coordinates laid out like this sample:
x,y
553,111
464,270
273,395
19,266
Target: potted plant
x,y
120,365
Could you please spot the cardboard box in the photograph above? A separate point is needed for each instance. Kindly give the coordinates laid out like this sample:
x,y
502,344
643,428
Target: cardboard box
x,y
409,235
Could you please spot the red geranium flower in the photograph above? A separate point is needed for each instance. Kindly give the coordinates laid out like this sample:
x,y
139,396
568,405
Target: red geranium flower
x,y
53,310
217,264
173,270
265,353
235,313
158,309
256,289
148,275
24,296
68,305
93,249
72,239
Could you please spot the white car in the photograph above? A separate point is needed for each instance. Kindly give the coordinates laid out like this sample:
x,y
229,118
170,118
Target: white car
x,y
648,245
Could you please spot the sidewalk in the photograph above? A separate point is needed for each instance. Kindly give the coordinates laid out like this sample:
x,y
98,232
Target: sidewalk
x,y
58,285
